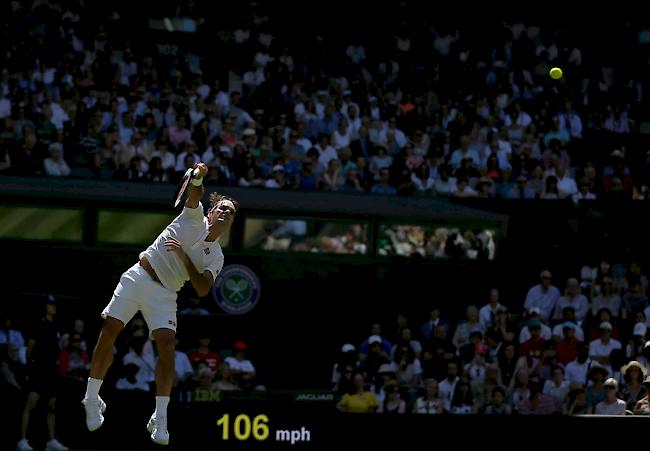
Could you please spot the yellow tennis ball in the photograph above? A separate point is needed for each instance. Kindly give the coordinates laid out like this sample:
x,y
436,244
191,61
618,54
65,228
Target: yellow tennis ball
x,y
555,73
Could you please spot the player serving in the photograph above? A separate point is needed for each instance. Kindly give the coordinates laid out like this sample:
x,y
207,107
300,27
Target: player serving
x,y
188,249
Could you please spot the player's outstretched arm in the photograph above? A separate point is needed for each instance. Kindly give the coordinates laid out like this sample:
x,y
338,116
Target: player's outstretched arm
x,y
196,192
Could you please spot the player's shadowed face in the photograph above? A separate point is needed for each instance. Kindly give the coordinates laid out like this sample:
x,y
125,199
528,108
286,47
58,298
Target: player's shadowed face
x,y
222,213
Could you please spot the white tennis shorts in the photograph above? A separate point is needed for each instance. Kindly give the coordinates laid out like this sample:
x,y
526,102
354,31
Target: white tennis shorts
x,y
138,291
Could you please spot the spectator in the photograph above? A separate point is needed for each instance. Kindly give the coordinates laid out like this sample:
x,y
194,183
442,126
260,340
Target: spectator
x,y
55,165
607,298
204,353
601,348
611,405
447,386
643,407
543,295
537,403
557,387
73,360
225,380
194,307
573,298
362,401
576,370
567,347
242,369
392,403
534,315
10,335
462,402
430,403
577,401
633,389
488,313
498,405
347,364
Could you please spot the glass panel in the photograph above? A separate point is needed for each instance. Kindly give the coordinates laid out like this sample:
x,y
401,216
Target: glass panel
x,y
437,241
127,227
305,235
39,223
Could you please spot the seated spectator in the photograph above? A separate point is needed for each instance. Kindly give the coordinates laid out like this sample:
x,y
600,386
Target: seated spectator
x,y
576,403
361,401
225,380
130,379
543,295
466,327
73,360
347,363
194,307
488,313
204,353
643,407
10,335
182,369
430,403
601,348
77,328
144,361
568,320
55,165
242,369
557,387
611,405
462,402
566,348
573,298
596,389
633,389
498,406
393,402
13,373
537,403
383,186
535,319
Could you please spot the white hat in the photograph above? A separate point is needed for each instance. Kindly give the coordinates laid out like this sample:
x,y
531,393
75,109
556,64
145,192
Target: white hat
x,y
374,339
536,310
385,368
605,325
348,347
278,168
611,382
248,132
640,329
569,325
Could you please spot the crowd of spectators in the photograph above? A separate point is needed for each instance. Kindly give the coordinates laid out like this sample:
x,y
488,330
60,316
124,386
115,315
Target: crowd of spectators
x,y
583,350
436,111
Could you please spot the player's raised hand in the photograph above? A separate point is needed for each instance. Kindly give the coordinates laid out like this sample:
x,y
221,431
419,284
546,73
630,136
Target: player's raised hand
x,y
203,169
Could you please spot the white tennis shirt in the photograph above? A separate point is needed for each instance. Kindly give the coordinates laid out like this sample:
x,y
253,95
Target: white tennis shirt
x,y
191,228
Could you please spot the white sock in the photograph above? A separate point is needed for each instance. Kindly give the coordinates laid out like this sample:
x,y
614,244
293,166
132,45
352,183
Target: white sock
x,y
161,406
92,389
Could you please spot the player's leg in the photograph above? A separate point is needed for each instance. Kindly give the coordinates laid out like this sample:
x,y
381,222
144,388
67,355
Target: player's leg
x,y
160,316
117,313
165,339
103,354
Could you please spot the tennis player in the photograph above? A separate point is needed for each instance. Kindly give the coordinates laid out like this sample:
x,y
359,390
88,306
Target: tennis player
x,y
188,249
